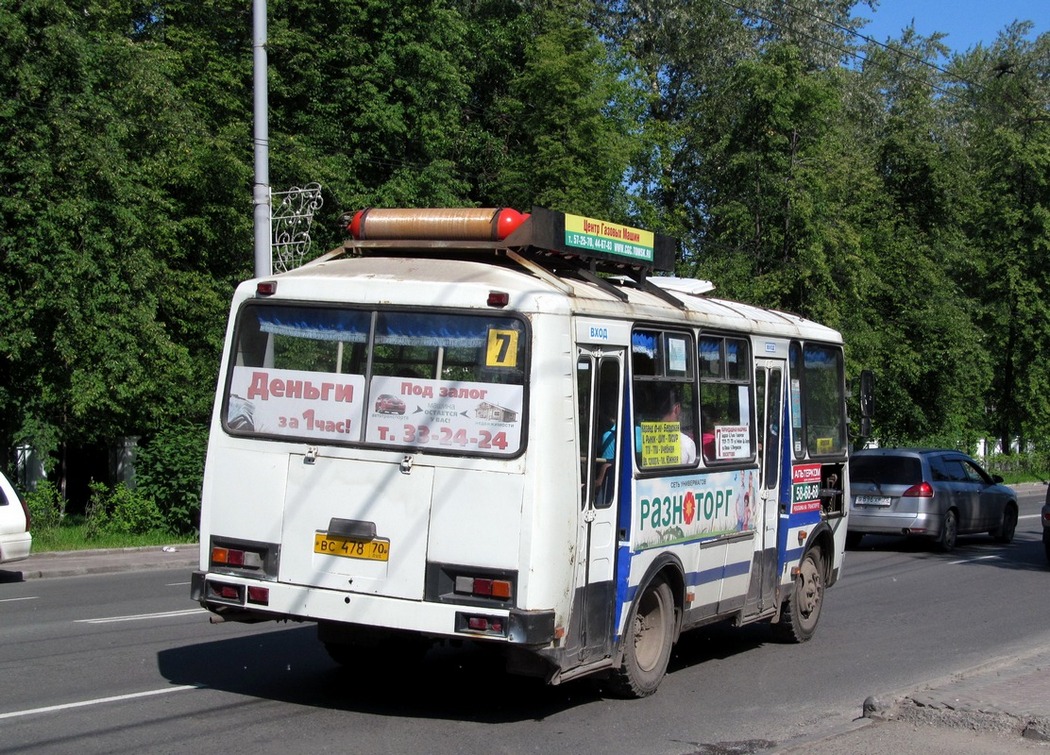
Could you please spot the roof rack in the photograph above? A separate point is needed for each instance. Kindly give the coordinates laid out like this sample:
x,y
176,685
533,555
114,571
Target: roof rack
x,y
547,243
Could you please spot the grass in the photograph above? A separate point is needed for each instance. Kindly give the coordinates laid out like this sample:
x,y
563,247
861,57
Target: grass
x,y
71,535
1018,478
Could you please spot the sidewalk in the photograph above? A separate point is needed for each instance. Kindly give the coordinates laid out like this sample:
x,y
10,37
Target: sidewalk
x,y
999,708
75,563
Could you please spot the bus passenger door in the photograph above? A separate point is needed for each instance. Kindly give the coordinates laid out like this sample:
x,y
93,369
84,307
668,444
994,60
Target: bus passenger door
x,y
599,375
769,400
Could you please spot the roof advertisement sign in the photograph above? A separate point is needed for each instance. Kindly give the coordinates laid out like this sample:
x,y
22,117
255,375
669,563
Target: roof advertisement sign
x,y
612,238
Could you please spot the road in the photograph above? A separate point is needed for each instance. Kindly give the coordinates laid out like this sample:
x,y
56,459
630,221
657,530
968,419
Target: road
x,y
126,663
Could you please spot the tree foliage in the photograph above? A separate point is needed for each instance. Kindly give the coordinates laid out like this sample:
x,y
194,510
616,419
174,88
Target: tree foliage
x,y
899,192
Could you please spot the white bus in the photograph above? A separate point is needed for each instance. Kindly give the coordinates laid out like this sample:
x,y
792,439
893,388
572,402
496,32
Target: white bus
x,y
488,426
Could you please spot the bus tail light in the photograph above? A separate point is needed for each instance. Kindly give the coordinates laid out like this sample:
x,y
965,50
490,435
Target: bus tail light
x,y
485,588
498,299
921,490
241,559
223,592
482,624
259,595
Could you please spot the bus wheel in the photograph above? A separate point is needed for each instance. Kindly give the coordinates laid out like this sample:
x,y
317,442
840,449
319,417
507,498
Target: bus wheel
x,y
648,639
801,611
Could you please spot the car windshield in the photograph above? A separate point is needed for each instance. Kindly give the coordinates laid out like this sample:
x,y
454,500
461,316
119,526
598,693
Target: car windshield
x,y
886,470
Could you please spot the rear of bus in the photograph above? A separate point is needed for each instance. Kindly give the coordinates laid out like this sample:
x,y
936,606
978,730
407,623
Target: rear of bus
x,y
366,465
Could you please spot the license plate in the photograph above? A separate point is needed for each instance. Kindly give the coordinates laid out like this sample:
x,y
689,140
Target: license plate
x,y
873,500
333,545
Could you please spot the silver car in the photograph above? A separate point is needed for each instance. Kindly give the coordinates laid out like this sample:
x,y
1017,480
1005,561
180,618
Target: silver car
x,y
930,493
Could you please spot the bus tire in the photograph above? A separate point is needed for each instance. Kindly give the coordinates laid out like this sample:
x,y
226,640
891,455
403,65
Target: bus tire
x,y
801,611
647,642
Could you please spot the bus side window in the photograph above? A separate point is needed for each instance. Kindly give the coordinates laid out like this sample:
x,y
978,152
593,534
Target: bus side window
x,y
664,398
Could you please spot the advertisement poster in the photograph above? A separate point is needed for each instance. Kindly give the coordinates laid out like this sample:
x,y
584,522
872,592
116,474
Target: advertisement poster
x,y
732,442
674,510
612,238
805,488
317,405
661,444
444,414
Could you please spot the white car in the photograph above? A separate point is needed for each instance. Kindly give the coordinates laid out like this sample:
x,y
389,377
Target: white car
x,y
15,540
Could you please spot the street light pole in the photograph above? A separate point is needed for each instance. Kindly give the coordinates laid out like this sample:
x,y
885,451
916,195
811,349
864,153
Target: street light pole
x,y
261,190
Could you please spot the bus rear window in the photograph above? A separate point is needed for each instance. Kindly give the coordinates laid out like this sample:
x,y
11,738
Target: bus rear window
x,y
433,381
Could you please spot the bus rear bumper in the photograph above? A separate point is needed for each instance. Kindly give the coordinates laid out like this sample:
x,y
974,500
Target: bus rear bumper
x,y
233,598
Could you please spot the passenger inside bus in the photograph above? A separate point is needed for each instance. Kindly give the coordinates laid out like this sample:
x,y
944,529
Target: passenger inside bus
x,y
707,437
667,406
603,477
674,414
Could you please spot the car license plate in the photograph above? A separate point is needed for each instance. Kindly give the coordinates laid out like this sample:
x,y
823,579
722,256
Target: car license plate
x,y
333,545
873,500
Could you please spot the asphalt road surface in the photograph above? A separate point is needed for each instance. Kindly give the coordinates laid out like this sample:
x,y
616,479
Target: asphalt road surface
x,y
127,663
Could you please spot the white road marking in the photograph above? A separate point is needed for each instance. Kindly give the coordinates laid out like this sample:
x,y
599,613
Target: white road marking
x,y
97,701
142,616
12,600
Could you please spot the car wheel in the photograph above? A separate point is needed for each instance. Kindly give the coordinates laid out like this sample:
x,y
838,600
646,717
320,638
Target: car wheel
x,y
1046,546
801,611
650,632
949,531
1005,532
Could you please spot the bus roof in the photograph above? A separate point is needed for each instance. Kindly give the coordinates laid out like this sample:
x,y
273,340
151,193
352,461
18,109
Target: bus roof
x,y
543,261
458,283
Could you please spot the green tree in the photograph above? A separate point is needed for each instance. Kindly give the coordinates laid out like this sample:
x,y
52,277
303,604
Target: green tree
x,y
914,319
114,277
1007,104
766,235
564,122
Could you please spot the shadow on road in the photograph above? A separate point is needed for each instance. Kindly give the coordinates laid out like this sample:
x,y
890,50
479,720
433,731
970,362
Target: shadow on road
x,y
290,665
7,576
1024,553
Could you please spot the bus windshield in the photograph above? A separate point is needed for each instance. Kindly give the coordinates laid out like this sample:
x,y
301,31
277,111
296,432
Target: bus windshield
x,y
427,380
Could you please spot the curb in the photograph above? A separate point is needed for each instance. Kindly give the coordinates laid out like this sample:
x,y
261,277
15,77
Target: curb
x,y
969,699
104,561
